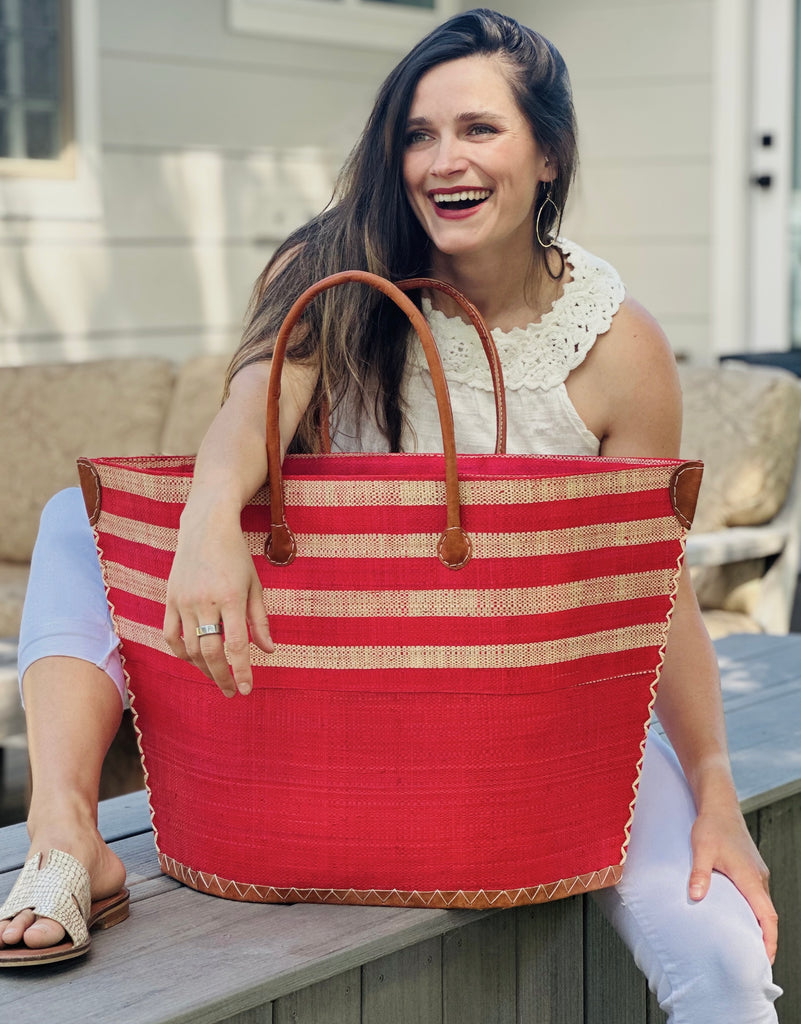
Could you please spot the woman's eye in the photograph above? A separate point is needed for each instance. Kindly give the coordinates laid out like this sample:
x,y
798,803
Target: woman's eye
x,y
416,136
482,129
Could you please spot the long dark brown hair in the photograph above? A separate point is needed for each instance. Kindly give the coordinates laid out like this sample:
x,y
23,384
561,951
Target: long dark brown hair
x,y
356,336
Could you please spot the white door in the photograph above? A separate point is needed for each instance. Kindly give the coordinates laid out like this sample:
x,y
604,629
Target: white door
x,y
774,204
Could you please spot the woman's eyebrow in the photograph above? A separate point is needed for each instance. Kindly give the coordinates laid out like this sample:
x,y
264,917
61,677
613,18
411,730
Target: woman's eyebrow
x,y
464,118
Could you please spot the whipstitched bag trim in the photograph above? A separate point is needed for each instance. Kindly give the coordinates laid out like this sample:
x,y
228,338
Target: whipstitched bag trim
x,y
481,899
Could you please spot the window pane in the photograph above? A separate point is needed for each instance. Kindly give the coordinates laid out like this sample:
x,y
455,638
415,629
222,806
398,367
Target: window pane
x,y
40,61
41,136
4,85
31,78
40,14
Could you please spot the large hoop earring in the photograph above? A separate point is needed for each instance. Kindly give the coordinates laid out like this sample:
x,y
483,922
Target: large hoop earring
x,y
557,211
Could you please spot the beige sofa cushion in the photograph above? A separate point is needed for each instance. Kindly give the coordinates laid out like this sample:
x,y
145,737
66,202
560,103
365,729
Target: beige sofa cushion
x,y
742,421
195,401
723,623
62,411
13,584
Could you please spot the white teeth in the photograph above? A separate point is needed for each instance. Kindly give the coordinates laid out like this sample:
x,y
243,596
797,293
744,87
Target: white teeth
x,y
455,197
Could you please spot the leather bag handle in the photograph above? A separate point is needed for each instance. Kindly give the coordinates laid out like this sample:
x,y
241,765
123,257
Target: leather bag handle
x,y
454,547
491,352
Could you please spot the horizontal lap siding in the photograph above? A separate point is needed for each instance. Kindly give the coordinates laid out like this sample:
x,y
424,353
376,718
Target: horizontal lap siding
x,y
214,146
642,76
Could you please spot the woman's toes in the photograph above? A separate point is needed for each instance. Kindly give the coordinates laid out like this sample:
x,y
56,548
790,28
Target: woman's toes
x,y
12,930
35,934
43,933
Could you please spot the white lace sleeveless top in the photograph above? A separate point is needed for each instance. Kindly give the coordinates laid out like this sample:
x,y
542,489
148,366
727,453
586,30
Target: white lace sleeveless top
x,y
536,361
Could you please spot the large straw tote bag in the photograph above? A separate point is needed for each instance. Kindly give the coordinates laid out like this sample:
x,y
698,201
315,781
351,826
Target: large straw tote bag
x,y
468,648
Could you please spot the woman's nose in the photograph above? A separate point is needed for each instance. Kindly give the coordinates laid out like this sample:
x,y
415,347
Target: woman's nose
x,y
449,158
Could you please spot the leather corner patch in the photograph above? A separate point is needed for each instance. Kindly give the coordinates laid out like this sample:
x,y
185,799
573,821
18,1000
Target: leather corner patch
x,y
90,486
685,484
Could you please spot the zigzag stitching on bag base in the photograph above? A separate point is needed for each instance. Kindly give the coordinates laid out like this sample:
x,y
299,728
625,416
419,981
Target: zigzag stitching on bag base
x,y
481,899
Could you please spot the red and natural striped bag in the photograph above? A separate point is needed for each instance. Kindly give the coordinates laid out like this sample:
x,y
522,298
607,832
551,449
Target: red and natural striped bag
x,y
468,648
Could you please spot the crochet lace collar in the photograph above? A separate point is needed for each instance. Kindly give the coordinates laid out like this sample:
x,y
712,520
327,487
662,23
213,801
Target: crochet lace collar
x,y
542,354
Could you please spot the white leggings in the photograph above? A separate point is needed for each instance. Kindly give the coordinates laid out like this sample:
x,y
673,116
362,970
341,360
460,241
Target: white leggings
x,y
705,961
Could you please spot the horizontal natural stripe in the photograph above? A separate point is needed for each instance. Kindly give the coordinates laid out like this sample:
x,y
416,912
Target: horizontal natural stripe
x,y
136,582
470,603
165,485
500,656
359,493
423,545
370,492
424,603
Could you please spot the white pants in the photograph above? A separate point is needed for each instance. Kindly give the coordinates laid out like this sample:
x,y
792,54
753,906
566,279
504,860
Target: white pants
x,y
705,961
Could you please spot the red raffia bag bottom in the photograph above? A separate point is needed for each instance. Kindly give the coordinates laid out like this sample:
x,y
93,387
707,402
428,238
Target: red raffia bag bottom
x,y
421,736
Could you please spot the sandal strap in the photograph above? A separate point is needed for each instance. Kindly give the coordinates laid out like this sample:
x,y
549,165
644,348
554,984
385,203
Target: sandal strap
x,y
60,891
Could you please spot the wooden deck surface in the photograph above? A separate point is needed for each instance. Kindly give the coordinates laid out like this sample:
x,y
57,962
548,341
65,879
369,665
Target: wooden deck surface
x,y
186,957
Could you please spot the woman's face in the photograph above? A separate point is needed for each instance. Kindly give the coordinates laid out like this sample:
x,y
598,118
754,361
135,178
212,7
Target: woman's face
x,y
471,166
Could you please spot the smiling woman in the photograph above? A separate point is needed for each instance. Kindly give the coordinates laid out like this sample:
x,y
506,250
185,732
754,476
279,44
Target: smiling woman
x,y
473,179
462,172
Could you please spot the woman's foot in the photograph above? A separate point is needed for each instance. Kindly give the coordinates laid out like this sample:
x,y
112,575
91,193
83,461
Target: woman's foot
x,y
106,874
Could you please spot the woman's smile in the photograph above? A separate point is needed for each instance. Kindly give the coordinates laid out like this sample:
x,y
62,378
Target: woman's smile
x,y
458,202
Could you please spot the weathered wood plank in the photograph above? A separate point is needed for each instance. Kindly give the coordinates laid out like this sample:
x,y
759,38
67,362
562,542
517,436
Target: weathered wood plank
x,y
754,646
405,986
614,989
765,745
258,1015
187,957
478,972
761,682
550,984
780,845
335,1001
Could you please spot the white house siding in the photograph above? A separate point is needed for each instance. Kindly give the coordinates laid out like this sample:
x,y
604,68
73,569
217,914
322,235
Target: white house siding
x,y
642,73
214,145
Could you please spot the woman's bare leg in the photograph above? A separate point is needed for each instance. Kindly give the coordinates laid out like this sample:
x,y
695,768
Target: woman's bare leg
x,y
73,711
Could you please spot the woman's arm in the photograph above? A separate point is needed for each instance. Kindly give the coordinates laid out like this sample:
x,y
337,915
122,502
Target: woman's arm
x,y
213,578
629,388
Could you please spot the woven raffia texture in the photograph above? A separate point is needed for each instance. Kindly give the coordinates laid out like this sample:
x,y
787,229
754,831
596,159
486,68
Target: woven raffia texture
x,y
421,736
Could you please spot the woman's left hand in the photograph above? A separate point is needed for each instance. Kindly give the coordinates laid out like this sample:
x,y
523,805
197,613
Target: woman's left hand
x,y
721,842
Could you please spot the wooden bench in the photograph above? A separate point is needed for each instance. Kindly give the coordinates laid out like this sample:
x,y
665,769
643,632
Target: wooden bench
x,y
186,957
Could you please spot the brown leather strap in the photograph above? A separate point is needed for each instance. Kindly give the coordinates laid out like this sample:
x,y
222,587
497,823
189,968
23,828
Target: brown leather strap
x,y
454,548
496,371
412,284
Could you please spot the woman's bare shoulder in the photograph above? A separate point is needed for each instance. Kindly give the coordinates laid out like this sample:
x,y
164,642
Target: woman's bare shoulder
x,y
636,370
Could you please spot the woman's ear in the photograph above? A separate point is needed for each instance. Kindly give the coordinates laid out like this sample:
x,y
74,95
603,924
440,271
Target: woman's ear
x,y
550,170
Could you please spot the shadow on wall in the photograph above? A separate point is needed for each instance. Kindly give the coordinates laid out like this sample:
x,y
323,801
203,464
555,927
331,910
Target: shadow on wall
x,y
169,269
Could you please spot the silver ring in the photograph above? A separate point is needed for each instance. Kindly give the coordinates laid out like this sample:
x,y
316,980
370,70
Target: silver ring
x,y
214,627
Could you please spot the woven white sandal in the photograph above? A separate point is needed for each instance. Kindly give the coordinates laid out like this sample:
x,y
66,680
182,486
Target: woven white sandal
x,y
59,890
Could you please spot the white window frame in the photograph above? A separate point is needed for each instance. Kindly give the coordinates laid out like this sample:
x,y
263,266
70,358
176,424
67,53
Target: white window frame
x,y
79,195
357,23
